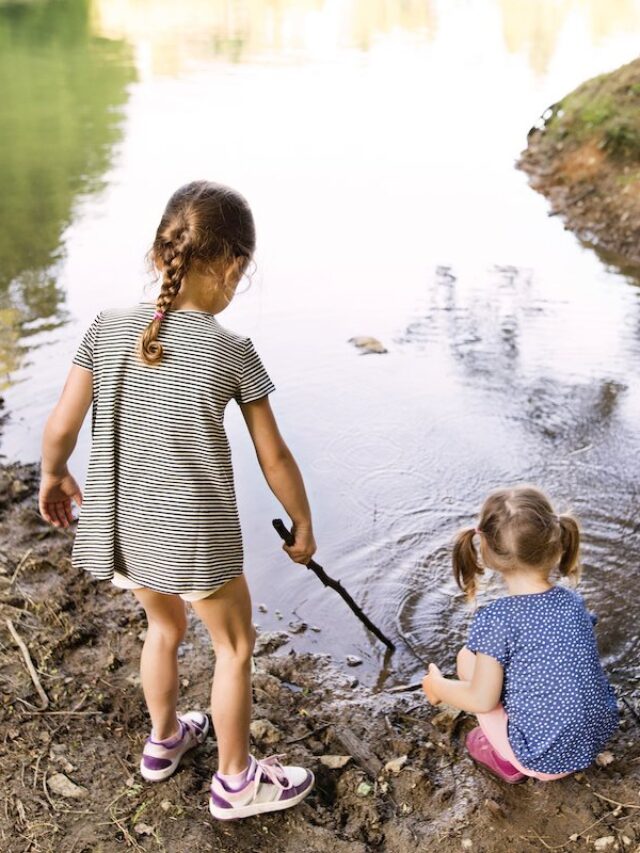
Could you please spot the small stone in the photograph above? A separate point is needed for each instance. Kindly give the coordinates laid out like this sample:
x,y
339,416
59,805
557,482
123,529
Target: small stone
x,y
626,840
130,782
142,636
165,805
278,614
396,764
368,344
59,784
353,660
574,836
143,829
264,731
315,629
297,627
185,682
263,608
467,844
605,842
335,762
604,759
133,679
270,641
364,789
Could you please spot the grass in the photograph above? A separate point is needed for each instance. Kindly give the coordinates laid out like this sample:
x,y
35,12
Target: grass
x,y
606,110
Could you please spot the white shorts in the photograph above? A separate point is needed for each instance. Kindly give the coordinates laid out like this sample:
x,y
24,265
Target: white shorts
x,y
123,582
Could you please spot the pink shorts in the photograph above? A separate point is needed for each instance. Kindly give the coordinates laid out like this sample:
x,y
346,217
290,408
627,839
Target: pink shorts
x,y
494,726
123,582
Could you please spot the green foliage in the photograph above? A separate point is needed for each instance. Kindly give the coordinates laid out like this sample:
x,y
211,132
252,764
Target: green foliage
x,y
62,94
605,109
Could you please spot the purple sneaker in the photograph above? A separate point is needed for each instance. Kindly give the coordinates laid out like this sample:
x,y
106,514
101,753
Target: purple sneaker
x,y
270,787
161,758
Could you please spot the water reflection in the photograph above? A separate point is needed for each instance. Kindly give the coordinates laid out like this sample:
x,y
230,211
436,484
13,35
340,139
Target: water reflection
x,y
62,94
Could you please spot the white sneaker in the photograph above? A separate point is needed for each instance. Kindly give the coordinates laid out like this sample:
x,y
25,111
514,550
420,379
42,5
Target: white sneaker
x,y
160,758
270,787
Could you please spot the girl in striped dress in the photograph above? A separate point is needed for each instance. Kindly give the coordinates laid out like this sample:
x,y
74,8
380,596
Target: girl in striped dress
x,y
159,512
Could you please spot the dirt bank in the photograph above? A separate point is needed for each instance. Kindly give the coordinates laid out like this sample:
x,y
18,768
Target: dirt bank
x,y
69,774
584,156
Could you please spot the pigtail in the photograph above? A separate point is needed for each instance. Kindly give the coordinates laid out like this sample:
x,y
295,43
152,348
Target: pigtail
x,y
175,256
465,562
570,541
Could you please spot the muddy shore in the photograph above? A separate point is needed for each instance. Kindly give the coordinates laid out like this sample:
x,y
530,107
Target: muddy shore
x,y
584,156
392,773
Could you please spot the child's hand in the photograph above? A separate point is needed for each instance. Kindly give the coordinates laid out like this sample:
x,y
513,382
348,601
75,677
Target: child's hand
x,y
429,684
304,545
56,494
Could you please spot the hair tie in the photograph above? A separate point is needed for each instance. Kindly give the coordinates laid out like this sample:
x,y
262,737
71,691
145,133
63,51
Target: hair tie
x,y
159,315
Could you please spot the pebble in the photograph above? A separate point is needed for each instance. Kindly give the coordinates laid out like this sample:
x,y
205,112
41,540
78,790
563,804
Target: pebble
x,y
59,784
264,731
335,762
143,829
467,844
269,641
604,759
297,627
396,764
605,842
353,660
262,608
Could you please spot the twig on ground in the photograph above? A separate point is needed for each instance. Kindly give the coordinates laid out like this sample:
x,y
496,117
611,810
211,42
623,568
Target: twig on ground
x,y
308,734
21,563
32,670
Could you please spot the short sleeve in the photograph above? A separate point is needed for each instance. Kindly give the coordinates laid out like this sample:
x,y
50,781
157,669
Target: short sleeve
x,y
254,381
488,635
84,353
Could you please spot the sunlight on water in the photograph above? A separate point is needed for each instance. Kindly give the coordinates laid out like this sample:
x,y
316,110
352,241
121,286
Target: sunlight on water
x,y
376,143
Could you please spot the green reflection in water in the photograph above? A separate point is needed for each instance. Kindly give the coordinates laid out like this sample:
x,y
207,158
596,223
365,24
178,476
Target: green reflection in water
x,y
62,96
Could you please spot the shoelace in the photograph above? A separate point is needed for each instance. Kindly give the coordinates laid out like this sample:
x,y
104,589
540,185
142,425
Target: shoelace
x,y
272,771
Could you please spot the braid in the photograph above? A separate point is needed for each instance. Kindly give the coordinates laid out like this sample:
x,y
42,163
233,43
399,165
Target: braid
x,y
176,255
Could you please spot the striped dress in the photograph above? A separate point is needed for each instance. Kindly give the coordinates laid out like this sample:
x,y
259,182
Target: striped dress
x,y
159,503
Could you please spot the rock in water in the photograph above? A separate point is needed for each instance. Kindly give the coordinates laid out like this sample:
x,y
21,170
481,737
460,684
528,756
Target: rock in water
x,y
368,345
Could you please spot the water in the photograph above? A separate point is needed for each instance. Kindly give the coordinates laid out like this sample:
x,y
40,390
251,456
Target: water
x,y
376,143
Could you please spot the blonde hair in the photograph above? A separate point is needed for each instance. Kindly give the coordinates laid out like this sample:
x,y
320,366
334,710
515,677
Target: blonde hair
x,y
519,528
204,224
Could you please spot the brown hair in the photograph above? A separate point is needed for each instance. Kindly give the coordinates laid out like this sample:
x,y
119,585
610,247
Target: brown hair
x,y
204,225
519,528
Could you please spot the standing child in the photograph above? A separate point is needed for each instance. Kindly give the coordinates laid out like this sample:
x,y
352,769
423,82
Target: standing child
x,y
530,670
159,511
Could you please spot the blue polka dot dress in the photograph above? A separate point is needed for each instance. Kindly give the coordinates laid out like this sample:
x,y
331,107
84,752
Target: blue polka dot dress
x,y
561,708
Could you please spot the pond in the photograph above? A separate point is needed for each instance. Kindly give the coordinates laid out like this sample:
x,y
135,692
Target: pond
x,y
377,144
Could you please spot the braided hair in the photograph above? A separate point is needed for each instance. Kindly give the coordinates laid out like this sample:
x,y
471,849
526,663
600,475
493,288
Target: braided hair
x,y
204,224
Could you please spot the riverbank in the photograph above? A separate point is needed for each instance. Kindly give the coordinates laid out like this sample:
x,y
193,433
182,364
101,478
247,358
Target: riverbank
x,y
584,156
392,773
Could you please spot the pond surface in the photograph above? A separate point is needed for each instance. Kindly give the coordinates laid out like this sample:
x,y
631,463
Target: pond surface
x,y
376,143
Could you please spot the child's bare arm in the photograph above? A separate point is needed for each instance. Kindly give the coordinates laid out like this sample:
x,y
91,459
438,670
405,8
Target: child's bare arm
x,y
478,696
57,486
282,474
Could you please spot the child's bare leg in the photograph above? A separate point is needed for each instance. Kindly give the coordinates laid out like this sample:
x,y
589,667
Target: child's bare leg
x,y
227,615
465,664
167,623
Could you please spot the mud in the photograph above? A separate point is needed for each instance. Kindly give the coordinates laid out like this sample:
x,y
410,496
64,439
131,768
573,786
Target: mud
x,y
402,783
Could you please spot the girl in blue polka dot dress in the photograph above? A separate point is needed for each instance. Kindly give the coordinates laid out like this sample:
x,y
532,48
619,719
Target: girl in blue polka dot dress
x,y
530,670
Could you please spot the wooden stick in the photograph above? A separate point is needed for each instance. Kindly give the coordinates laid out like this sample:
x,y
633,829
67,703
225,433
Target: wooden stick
x,y
355,747
286,535
32,670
